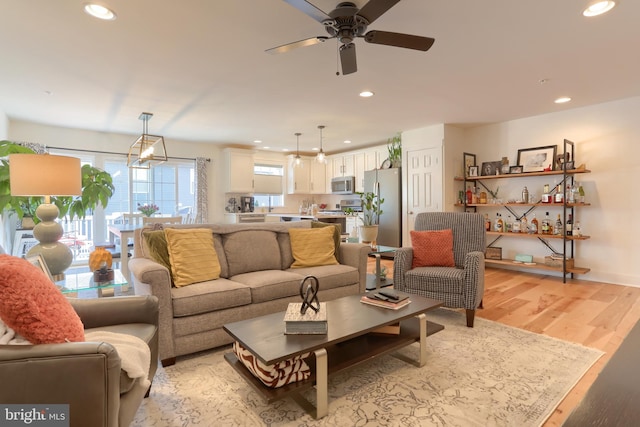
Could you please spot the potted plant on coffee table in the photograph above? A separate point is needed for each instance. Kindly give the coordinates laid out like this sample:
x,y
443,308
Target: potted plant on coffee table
x,y
371,211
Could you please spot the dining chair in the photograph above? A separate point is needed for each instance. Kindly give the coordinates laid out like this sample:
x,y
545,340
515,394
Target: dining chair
x,y
134,219
161,220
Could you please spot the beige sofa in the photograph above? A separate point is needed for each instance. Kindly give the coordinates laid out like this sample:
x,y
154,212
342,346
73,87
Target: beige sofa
x,y
255,279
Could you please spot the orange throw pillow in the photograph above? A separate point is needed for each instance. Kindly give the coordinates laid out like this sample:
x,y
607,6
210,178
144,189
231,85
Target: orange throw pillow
x,y
33,306
432,248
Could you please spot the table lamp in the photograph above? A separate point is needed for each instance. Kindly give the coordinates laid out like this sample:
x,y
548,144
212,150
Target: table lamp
x,y
47,175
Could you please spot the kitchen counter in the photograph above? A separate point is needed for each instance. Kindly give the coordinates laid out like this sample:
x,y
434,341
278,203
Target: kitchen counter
x,y
298,217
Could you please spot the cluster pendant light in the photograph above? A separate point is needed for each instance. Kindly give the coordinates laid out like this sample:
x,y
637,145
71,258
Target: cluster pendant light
x,y
321,158
298,160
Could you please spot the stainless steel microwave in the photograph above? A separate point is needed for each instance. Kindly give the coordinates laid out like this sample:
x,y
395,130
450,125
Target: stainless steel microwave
x,y
343,185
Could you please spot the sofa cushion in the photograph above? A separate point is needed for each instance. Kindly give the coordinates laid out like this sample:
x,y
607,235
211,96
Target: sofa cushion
x,y
331,276
437,280
251,250
33,306
284,241
209,296
268,285
432,248
193,257
312,247
155,247
337,234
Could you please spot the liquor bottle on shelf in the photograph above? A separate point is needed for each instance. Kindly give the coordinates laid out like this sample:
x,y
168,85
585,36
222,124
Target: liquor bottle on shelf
x,y
570,194
546,224
487,222
508,226
524,224
525,195
557,229
559,196
469,195
498,224
569,225
576,230
580,198
533,225
546,195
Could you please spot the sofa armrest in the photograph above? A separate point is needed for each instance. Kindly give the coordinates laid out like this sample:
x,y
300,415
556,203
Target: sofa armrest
x,y
473,279
84,375
151,278
99,312
402,261
355,255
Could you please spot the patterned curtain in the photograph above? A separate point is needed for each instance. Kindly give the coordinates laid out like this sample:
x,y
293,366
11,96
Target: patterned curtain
x,y
202,201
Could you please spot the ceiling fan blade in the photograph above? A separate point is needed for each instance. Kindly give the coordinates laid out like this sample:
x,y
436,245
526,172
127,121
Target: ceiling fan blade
x,y
375,9
408,41
348,58
300,43
309,9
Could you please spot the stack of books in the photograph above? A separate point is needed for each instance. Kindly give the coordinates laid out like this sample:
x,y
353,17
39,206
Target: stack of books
x,y
386,298
309,323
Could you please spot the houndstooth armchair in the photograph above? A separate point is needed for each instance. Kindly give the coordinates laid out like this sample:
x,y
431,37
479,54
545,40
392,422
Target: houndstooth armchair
x,y
461,286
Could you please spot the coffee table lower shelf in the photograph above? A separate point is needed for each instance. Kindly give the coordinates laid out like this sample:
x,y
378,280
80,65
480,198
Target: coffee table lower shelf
x,y
340,356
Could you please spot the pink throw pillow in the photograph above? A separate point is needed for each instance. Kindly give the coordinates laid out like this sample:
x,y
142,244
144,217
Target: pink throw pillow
x,y
432,248
33,306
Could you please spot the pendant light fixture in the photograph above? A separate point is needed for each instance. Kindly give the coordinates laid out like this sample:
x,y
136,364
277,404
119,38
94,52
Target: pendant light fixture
x,y
320,158
298,159
147,149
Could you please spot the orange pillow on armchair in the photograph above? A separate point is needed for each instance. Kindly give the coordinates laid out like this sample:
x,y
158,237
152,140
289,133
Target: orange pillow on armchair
x,y
432,248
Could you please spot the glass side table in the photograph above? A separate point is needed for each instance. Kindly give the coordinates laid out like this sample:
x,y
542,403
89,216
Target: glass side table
x,y
376,283
80,285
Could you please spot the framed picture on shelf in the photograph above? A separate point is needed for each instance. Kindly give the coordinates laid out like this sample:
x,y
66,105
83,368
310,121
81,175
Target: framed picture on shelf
x,y
515,169
39,262
469,161
491,168
473,171
537,159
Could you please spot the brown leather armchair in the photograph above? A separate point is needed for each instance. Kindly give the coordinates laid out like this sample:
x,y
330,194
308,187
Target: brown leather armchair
x,y
85,375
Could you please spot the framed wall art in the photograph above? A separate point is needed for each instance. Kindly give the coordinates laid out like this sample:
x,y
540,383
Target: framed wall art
x,y
39,262
491,168
537,159
473,171
515,169
469,161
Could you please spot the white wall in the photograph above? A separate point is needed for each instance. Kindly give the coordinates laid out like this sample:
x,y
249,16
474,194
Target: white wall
x,y
606,138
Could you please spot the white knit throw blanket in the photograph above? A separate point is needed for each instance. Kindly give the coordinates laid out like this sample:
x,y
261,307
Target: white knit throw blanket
x,y
134,353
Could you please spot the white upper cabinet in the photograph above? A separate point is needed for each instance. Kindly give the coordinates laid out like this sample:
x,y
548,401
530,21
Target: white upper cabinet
x,y
343,165
238,170
318,178
299,177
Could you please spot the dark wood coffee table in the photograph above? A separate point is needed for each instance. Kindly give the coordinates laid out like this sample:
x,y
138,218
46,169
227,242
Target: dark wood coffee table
x,y
349,342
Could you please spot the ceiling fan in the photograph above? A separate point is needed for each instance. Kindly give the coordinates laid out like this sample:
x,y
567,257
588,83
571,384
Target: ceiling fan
x,y
346,22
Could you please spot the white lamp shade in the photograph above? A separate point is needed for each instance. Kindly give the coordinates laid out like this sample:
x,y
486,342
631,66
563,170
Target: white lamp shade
x,y
44,175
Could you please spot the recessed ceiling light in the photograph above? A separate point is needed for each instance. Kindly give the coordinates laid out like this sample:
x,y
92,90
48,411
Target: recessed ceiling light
x,y
99,11
562,100
347,142
366,93
599,7
266,148
257,141
315,149
285,149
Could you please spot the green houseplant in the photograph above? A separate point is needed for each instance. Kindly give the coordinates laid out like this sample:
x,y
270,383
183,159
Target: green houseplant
x,y
394,147
371,211
97,188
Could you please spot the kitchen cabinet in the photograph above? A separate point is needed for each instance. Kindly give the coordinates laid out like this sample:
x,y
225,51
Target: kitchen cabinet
x,y
310,177
299,176
359,168
238,170
520,208
343,165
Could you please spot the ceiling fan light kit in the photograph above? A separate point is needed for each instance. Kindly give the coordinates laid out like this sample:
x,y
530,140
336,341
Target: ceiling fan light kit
x,y
346,23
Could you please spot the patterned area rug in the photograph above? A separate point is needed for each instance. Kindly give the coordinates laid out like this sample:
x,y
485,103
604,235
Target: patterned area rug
x,y
491,375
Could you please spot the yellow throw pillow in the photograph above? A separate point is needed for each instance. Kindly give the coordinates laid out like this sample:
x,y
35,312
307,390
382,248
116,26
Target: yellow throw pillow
x,y
192,255
312,247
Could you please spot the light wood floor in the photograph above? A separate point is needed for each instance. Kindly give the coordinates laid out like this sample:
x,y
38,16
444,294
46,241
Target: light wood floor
x,y
597,315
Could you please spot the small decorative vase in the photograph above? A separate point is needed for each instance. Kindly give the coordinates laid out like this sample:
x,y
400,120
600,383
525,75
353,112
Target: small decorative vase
x,y
99,257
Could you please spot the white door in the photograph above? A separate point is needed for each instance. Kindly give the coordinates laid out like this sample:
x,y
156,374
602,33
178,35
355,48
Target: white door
x,y
424,185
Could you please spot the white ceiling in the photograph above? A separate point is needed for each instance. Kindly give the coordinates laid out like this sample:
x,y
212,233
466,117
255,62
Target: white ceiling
x,y
199,66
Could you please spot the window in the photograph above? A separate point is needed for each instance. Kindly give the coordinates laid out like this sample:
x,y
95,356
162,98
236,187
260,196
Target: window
x,y
268,185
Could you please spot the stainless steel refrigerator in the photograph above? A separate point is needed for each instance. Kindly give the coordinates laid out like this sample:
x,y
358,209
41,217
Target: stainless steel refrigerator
x,y
387,183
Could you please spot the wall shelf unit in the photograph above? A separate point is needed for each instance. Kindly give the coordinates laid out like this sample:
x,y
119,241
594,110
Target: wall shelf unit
x,y
520,209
